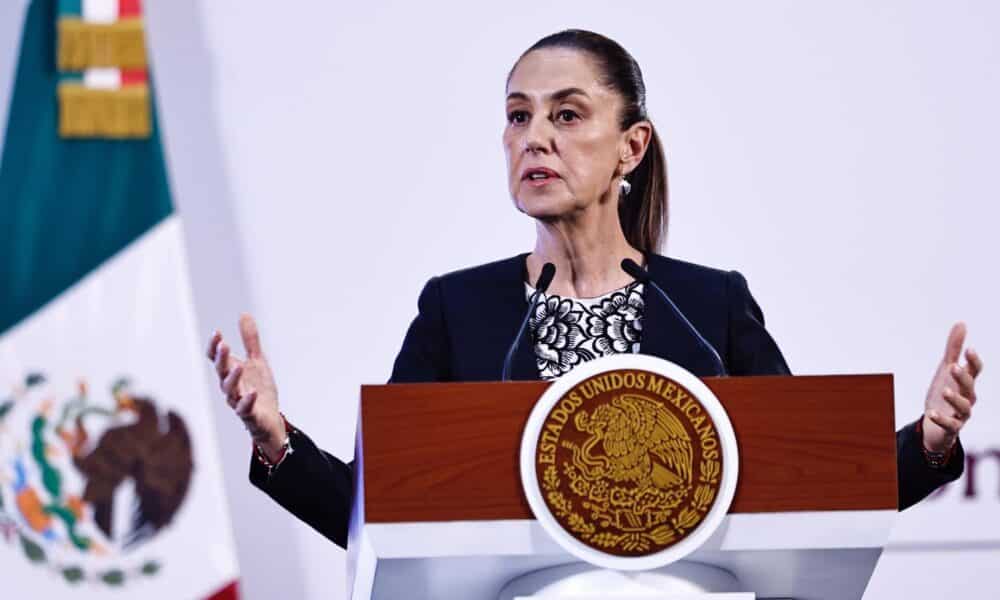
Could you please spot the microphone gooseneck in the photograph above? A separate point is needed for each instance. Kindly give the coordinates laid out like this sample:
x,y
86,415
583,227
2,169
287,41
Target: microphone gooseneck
x,y
543,283
641,275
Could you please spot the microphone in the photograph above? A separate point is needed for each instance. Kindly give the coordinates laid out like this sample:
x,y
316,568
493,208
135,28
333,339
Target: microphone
x,y
640,274
543,283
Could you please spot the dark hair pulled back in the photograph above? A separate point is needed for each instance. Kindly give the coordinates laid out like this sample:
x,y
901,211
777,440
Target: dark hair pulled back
x,y
643,213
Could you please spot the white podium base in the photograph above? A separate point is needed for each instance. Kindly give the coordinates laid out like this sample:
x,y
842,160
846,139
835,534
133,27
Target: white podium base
x,y
816,555
683,580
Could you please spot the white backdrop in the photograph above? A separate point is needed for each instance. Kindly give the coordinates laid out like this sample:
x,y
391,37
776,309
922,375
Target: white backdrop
x,y
329,157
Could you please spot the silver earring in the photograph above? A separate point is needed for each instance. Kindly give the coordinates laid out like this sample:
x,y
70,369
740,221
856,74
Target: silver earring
x,y
626,187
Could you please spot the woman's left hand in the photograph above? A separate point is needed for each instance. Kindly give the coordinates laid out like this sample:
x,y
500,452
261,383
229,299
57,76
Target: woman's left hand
x,y
952,393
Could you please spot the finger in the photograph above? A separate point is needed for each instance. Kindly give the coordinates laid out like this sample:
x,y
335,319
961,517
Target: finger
x,y
975,365
956,337
966,384
222,360
213,344
960,404
230,383
251,337
949,424
244,408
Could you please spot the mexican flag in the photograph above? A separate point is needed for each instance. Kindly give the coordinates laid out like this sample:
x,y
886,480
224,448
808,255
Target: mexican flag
x,y
110,482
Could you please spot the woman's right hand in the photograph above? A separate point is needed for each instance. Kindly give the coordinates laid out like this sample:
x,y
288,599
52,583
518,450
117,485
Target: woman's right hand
x,y
249,388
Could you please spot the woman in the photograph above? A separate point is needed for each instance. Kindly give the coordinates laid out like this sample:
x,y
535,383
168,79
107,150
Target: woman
x,y
585,163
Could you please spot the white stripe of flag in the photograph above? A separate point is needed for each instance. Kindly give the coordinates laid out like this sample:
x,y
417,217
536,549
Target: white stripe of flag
x,y
104,78
100,11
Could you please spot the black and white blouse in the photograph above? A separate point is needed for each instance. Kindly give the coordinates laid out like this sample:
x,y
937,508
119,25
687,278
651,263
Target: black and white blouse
x,y
569,331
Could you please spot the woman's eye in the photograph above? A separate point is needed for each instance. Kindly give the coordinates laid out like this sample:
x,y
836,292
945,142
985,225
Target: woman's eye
x,y
567,116
517,117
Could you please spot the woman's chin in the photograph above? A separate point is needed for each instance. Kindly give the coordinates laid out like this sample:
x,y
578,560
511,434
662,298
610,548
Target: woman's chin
x,y
544,207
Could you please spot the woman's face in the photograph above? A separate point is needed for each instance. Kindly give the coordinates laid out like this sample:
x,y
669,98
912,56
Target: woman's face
x,y
562,139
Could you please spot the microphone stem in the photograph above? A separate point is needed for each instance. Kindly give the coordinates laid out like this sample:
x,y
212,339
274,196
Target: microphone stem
x,y
543,283
505,376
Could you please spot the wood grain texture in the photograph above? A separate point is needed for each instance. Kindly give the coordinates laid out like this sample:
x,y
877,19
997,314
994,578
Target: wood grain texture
x,y
449,451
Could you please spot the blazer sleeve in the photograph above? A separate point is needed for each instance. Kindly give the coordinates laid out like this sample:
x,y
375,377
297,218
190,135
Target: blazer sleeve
x,y
426,353
316,486
751,349
916,479
312,484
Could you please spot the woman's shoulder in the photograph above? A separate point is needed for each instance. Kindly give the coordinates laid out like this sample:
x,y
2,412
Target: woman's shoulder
x,y
695,282
665,267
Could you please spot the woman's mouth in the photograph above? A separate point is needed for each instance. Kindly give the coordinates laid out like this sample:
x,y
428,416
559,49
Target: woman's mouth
x,y
540,176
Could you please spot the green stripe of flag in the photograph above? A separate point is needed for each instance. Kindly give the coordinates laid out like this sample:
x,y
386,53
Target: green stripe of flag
x,y
66,206
70,8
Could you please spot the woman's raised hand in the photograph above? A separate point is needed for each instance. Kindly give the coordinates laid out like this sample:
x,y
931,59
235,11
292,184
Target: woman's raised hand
x,y
249,388
952,393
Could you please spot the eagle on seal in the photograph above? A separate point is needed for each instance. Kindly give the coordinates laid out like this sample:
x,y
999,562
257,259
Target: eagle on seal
x,y
642,443
153,452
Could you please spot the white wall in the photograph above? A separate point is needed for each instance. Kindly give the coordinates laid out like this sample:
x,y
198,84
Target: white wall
x,y
330,157
11,23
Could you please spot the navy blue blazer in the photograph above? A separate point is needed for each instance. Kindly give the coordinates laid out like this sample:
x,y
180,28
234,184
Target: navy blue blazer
x,y
467,320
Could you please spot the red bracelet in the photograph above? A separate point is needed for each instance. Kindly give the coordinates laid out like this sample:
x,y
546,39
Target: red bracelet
x,y
286,449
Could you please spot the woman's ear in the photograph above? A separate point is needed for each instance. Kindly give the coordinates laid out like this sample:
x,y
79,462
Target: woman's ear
x,y
635,141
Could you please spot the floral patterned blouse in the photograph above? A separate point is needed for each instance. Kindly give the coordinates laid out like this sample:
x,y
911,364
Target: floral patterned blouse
x,y
569,331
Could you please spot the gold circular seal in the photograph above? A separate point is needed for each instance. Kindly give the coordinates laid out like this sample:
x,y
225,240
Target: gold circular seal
x,y
628,462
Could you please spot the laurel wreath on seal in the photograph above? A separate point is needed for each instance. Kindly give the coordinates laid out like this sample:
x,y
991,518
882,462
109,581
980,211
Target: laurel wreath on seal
x,y
35,553
562,507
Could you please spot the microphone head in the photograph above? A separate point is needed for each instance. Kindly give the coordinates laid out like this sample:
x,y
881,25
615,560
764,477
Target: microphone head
x,y
633,269
545,278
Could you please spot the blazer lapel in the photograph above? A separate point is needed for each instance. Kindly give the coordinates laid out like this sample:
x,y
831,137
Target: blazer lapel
x,y
515,305
658,325
663,333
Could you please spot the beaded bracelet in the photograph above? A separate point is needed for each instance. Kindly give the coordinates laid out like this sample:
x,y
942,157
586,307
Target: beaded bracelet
x,y
934,460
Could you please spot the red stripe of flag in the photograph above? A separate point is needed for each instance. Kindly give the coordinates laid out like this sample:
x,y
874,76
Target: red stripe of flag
x,y
230,592
134,76
129,8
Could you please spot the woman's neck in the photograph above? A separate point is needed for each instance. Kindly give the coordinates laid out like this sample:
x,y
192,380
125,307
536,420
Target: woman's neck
x,y
587,253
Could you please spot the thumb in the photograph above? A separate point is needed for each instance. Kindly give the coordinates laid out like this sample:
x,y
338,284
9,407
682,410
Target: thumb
x,y
956,338
250,335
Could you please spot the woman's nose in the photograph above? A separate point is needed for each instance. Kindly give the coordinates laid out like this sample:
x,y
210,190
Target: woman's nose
x,y
533,147
537,138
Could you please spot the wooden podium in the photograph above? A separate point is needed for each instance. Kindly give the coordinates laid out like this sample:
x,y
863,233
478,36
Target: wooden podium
x,y
439,512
